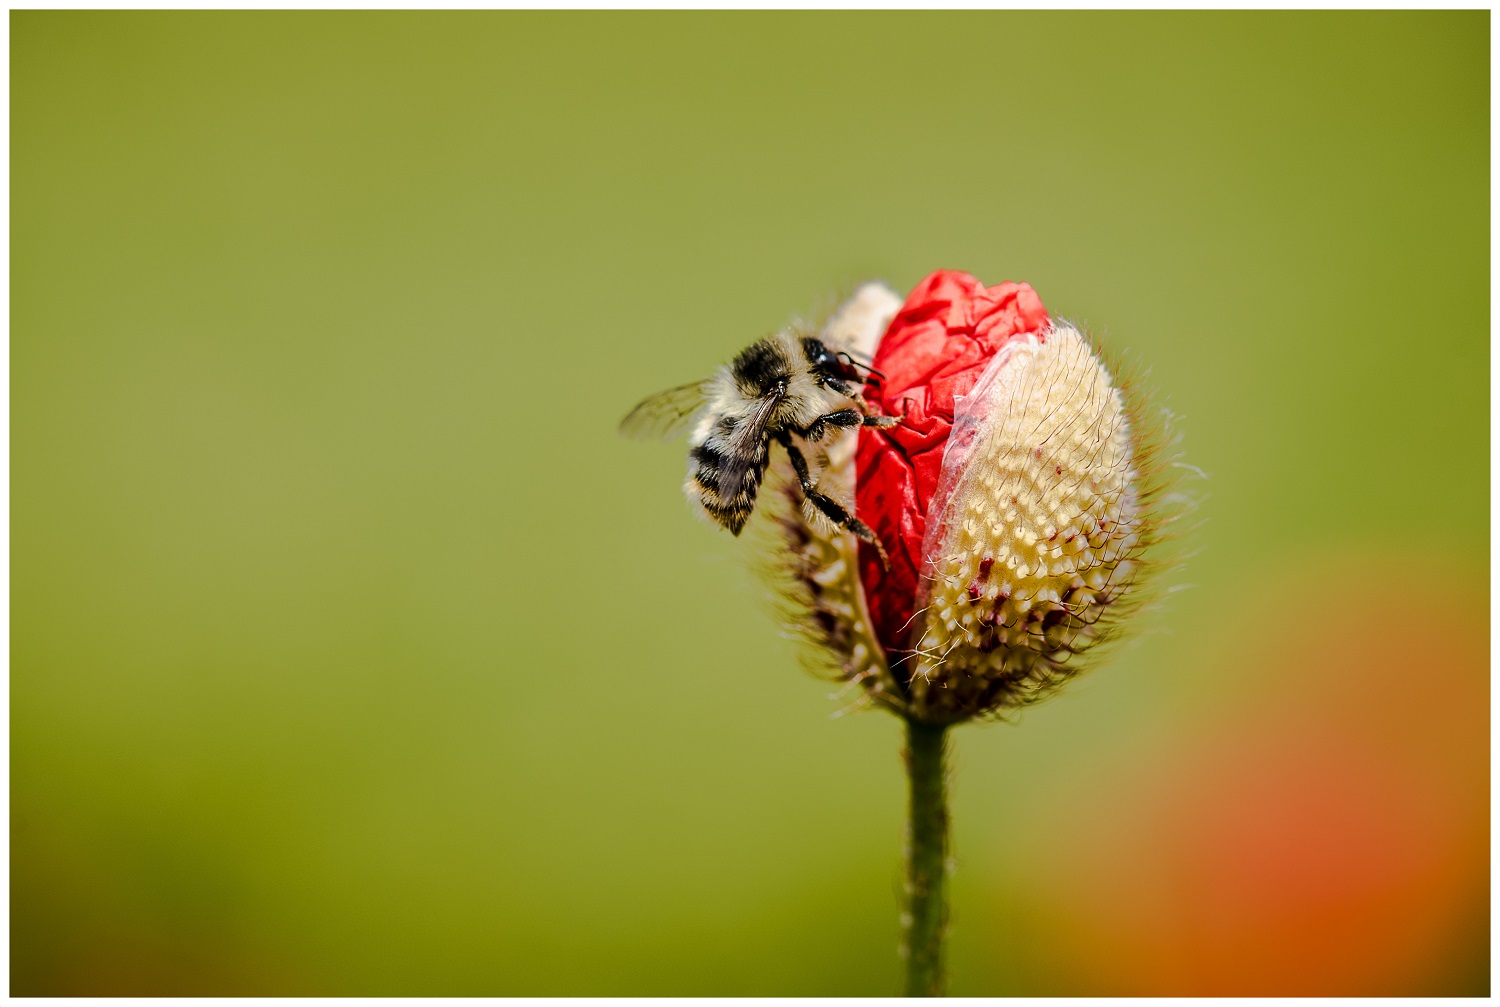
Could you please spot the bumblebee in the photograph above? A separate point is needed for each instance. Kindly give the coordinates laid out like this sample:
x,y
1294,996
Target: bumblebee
x,y
777,388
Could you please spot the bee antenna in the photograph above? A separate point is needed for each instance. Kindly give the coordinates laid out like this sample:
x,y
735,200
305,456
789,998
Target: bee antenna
x,y
846,358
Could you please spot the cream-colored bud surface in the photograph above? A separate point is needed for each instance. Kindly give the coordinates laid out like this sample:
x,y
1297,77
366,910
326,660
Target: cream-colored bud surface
x,y
1038,535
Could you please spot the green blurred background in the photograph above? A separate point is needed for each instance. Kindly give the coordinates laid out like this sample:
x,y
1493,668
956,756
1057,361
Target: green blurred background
x,y
354,654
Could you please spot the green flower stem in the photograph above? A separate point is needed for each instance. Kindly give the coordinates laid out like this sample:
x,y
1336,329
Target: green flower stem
x,y
926,859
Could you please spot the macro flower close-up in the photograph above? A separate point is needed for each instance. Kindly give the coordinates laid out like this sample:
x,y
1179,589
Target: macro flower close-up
x,y
786,503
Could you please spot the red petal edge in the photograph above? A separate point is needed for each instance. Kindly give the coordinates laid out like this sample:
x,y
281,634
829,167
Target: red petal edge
x,y
934,349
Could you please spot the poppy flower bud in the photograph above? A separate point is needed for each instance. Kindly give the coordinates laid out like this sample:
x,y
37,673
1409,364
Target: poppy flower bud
x,y
1010,500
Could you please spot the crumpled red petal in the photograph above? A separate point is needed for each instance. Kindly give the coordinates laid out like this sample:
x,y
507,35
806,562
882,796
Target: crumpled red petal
x,y
934,349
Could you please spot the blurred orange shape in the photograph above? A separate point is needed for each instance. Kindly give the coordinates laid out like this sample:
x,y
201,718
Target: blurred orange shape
x,y
1328,834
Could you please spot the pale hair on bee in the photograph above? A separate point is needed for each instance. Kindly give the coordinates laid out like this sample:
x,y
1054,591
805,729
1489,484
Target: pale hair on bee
x,y
785,388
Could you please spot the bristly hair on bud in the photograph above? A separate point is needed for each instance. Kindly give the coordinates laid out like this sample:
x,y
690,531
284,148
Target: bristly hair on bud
x,y
1026,491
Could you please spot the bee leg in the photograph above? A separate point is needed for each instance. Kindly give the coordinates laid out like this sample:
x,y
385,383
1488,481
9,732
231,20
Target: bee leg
x,y
815,430
850,417
830,507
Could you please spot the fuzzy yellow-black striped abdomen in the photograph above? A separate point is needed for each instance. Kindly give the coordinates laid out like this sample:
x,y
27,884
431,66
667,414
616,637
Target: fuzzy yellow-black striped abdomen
x,y
723,485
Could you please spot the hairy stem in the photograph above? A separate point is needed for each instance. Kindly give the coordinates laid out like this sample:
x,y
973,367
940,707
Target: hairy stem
x,y
926,859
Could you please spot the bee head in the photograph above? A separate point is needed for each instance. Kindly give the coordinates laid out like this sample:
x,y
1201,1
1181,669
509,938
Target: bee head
x,y
833,369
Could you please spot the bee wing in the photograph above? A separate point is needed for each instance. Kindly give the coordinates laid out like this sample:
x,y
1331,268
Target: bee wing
x,y
665,414
747,447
